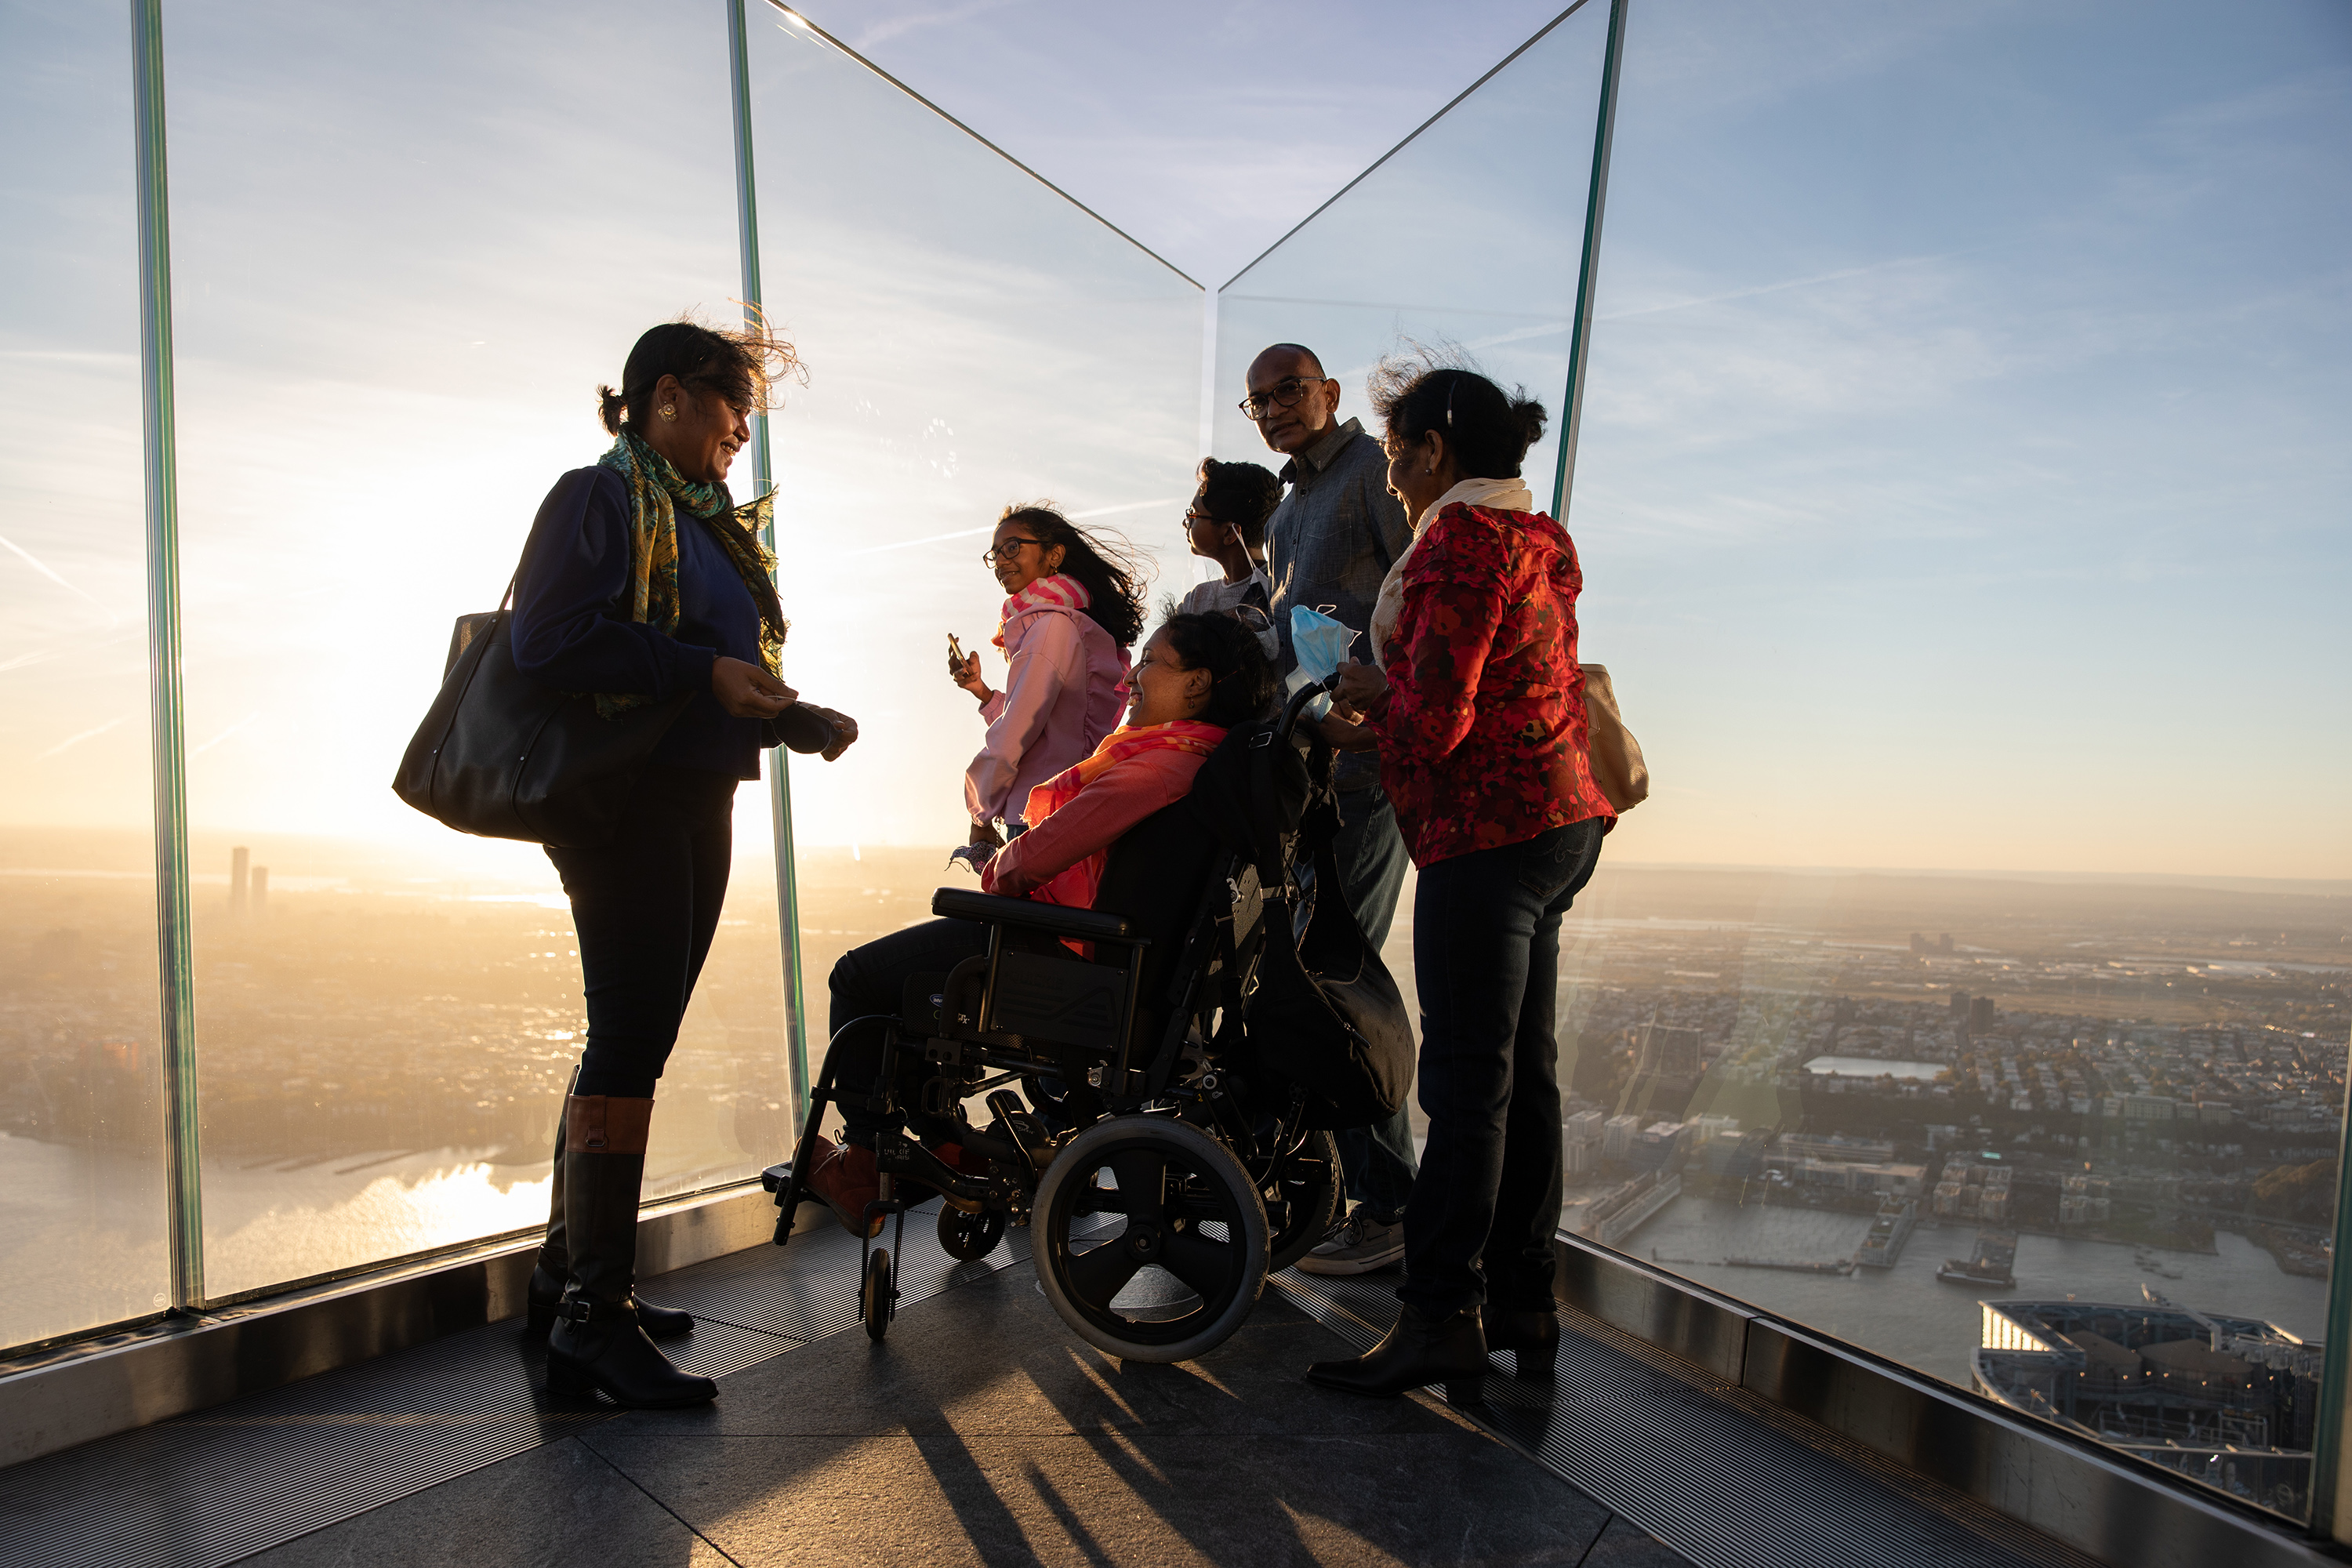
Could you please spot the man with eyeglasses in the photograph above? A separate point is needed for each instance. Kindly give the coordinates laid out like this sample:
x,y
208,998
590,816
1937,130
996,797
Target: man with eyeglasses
x,y
1329,546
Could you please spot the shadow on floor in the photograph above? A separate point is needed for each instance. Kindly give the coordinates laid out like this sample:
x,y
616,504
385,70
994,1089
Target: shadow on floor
x,y
982,1432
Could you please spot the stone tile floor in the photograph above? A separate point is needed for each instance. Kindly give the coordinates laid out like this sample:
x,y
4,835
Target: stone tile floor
x,y
982,1432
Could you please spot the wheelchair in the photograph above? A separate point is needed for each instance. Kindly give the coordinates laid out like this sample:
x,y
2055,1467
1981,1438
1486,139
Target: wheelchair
x,y
1160,1175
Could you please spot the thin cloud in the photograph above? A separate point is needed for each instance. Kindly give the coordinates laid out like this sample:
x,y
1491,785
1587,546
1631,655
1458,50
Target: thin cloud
x,y
1781,287
72,740
39,565
225,735
990,528
899,26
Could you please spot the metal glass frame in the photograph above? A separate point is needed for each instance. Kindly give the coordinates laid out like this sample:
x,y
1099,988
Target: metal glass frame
x,y
780,780
175,973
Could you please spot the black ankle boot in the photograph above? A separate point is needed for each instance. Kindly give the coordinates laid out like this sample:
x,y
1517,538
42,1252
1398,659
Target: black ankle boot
x,y
1418,1351
597,1341
1531,1337
547,1278
599,1345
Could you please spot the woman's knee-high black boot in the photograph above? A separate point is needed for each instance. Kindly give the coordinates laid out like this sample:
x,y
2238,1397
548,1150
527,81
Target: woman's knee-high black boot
x,y
554,1267
597,1341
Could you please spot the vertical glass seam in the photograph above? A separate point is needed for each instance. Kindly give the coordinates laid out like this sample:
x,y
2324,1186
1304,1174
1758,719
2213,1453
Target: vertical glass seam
x,y
176,967
1588,269
2330,1451
780,784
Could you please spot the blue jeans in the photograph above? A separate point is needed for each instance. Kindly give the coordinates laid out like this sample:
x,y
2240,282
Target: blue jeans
x,y
1485,947
1377,1161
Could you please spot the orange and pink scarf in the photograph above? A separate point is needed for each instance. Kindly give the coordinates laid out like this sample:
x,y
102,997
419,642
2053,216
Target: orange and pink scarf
x,y
1057,591
1074,886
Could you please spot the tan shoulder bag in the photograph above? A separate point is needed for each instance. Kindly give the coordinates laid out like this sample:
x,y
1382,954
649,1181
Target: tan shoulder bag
x,y
1617,765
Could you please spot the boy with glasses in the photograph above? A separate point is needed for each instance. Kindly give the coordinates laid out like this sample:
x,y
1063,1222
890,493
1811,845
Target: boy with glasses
x,y
1226,524
1329,546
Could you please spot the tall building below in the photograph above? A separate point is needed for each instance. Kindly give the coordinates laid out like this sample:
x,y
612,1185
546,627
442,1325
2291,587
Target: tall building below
x,y
1618,1134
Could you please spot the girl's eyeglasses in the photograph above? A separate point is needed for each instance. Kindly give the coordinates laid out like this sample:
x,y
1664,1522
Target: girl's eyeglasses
x,y
1008,551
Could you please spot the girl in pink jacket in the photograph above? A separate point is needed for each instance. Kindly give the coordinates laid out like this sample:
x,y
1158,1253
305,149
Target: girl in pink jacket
x,y
1072,610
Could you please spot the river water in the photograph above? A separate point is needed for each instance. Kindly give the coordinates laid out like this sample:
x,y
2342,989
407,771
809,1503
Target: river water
x,y
1908,1314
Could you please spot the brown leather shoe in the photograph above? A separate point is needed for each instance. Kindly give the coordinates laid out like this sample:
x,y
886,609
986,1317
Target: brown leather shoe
x,y
844,1175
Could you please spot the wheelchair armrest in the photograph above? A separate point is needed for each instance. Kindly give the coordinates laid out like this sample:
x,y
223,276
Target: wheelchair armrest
x,y
1087,925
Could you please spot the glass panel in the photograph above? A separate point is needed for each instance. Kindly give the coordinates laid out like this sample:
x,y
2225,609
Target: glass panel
x,y
1965,453
81,1175
1370,273
410,245
1506,171
1961,488
1377,270
974,339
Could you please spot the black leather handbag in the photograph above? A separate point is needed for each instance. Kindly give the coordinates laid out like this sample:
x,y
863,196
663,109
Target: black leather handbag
x,y
1327,1016
504,756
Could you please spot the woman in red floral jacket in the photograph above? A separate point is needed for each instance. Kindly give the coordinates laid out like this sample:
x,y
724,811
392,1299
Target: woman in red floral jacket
x,y
1476,705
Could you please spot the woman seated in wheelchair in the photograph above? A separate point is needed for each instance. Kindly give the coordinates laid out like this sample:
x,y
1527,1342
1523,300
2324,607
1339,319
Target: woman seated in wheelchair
x,y
1199,676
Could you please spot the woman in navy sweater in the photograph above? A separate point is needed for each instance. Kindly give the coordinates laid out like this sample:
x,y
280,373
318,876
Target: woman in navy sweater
x,y
643,580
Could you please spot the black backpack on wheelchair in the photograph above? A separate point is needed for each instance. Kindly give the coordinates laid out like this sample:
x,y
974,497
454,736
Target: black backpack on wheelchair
x,y
1171,1143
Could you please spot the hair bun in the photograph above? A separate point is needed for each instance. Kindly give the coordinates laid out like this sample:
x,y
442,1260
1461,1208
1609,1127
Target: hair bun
x,y
1439,388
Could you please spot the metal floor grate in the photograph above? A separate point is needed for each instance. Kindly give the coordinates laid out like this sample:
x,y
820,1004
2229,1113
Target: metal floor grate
x,y
1704,1466
209,1488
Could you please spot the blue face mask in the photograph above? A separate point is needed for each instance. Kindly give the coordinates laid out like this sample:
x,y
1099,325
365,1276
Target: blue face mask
x,y
1321,644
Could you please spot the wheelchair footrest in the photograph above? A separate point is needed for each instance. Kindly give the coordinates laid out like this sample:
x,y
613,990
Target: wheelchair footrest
x,y
899,1155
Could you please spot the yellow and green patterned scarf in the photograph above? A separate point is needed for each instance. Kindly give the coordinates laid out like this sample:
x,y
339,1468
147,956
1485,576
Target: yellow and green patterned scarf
x,y
655,489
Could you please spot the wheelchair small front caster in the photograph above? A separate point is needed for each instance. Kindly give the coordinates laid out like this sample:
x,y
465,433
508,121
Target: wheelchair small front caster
x,y
971,1236
877,1298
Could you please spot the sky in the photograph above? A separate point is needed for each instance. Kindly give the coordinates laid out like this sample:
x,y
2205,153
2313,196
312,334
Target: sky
x,y
1963,472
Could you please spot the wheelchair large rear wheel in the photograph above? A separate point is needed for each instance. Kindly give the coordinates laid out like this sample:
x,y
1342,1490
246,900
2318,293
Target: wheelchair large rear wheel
x,y
1302,1201
1151,1238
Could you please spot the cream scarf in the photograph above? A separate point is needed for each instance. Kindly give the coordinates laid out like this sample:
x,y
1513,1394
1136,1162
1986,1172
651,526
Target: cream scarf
x,y
1495,495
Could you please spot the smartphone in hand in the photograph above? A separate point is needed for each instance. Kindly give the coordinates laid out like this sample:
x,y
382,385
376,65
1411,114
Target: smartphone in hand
x,y
955,651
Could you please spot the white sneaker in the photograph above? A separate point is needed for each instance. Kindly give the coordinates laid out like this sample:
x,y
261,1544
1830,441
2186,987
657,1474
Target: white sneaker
x,y
1358,1244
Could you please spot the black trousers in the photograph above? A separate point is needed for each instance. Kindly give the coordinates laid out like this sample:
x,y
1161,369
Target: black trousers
x,y
872,980
646,906
1486,952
